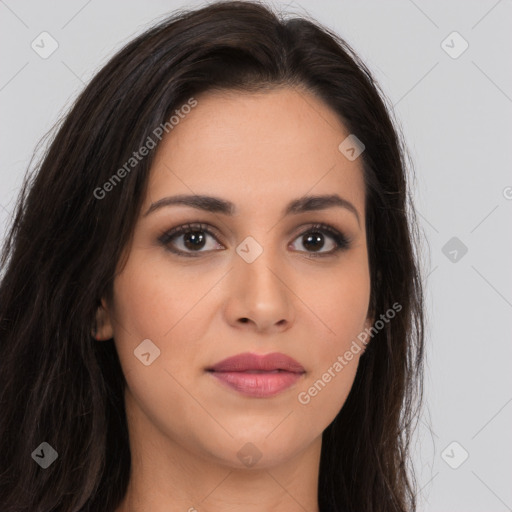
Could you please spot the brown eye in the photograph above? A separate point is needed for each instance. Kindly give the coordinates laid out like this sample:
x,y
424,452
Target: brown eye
x,y
189,239
194,240
313,241
317,237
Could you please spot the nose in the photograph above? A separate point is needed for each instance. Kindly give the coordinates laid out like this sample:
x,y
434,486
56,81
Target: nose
x,y
259,296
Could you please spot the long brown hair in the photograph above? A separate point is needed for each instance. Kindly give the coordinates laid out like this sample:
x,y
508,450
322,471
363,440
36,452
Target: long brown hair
x,y
58,385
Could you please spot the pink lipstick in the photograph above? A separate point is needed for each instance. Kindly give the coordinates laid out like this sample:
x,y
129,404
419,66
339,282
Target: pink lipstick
x,y
258,376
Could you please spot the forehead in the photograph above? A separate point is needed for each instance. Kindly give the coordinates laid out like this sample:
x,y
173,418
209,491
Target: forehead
x,y
256,147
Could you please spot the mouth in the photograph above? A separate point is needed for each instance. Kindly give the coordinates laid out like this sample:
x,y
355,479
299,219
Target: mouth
x,y
258,376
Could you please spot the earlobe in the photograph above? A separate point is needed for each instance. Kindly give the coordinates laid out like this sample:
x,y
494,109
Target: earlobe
x,y
367,325
102,330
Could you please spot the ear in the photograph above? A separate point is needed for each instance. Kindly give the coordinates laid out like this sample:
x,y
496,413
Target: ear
x,y
103,329
367,324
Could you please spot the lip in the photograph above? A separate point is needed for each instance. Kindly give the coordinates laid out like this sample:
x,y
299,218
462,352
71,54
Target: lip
x,y
259,376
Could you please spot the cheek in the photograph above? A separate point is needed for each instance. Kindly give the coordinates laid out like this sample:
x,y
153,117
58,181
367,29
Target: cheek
x,y
153,299
145,307
339,299
341,303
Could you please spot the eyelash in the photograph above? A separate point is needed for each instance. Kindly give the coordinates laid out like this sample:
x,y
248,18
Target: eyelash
x,y
341,241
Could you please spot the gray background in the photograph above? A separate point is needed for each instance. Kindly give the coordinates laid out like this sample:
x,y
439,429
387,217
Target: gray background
x,y
456,117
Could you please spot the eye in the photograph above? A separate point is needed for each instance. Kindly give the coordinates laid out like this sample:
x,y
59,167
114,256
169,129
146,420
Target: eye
x,y
314,240
194,237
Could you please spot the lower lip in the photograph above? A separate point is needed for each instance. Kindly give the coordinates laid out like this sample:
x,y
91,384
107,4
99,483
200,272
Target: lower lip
x,y
259,385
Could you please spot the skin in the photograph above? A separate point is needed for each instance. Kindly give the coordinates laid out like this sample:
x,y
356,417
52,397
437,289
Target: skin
x,y
259,151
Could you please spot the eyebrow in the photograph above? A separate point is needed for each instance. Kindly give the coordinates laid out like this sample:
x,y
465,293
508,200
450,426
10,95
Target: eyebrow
x,y
217,205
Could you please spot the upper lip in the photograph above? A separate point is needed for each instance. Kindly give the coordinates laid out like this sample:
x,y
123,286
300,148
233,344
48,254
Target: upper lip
x,y
247,362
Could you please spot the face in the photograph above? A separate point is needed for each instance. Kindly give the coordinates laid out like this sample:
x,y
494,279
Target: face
x,y
258,271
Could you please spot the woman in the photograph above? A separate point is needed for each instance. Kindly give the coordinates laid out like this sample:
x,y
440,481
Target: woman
x,y
210,297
